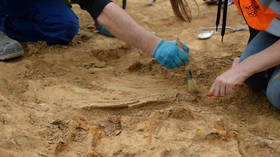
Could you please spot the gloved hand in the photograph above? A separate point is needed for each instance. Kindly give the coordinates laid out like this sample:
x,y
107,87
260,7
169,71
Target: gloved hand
x,y
102,30
168,54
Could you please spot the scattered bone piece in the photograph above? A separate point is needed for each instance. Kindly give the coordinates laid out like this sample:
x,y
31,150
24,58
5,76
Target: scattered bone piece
x,y
135,102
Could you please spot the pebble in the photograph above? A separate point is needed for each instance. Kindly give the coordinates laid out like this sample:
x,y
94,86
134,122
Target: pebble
x,y
91,71
45,108
42,154
99,64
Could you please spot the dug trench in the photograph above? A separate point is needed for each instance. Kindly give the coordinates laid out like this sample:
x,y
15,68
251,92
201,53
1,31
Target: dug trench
x,y
99,97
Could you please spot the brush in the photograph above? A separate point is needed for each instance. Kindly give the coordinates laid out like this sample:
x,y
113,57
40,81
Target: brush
x,y
192,86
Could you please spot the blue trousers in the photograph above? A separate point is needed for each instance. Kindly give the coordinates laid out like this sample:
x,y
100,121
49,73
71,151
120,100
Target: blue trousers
x,y
267,82
52,21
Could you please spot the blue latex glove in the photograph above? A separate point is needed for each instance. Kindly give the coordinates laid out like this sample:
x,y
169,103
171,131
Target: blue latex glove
x,y
102,30
168,54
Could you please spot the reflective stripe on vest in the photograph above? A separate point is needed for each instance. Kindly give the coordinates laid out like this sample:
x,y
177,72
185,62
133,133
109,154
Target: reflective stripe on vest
x,y
261,14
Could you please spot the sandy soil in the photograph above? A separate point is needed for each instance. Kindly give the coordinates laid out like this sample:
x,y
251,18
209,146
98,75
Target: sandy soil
x,y
51,99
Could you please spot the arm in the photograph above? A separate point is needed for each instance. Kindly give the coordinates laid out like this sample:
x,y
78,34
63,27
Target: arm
x,y
120,24
261,61
264,60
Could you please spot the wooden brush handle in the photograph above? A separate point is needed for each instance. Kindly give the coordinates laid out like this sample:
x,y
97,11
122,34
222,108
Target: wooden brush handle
x,y
182,47
187,68
179,43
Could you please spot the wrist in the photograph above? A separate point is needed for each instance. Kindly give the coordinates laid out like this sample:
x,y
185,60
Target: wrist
x,y
157,46
244,71
157,42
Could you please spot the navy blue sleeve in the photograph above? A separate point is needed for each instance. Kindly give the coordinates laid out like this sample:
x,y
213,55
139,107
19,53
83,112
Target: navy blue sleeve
x,y
94,7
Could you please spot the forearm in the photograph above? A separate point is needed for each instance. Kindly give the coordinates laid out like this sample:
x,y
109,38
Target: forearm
x,y
120,24
264,60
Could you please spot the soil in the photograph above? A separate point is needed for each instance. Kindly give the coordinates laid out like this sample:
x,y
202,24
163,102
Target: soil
x,y
55,101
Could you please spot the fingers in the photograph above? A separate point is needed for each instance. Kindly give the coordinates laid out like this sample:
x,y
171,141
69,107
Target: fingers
x,y
178,61
221,88
225,83
168,54
229,90
173,59
183,56
171,65
185,47
215,89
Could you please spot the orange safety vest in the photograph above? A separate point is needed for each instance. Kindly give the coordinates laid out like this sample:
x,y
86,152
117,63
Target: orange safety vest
x,y
261,14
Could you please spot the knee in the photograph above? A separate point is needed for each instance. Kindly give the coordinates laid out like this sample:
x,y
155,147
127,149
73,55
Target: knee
x,y
60,31
58,26
273,93
65,33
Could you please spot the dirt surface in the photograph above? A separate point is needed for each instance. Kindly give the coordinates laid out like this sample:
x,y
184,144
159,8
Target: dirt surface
x,y
51,99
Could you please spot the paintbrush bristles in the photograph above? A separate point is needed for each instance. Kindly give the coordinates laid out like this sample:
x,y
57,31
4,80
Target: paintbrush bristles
x,y
192,86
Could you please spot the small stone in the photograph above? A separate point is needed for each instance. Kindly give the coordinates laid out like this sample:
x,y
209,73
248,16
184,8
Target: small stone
x,y
91,71
43,154
100,64
140,113
45,108
88,65
90,27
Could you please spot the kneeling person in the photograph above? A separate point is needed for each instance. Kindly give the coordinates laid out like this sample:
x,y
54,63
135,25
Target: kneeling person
x,y
54,21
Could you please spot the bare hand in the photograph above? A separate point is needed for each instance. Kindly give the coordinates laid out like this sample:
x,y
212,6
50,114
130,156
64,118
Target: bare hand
x,y
224,83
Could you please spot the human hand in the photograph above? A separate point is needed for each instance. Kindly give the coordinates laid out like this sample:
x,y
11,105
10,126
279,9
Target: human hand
x,y
168,54
224,83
